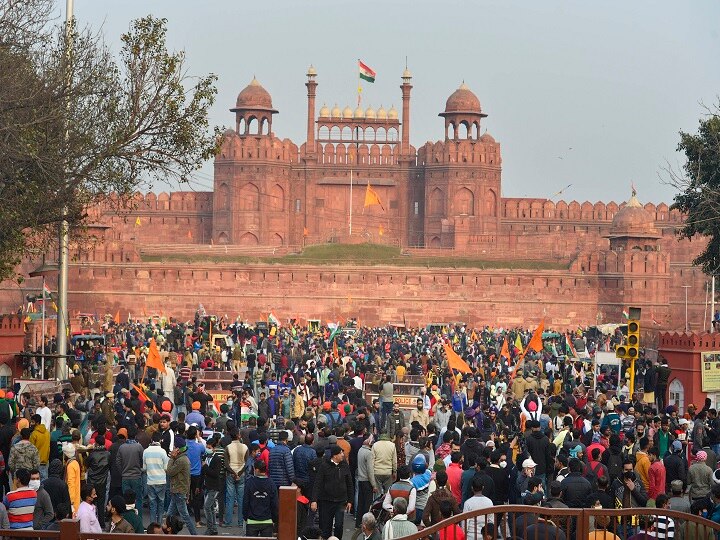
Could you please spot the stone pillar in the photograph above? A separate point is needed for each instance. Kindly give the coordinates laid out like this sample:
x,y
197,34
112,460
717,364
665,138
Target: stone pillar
x,y
405,87
311,86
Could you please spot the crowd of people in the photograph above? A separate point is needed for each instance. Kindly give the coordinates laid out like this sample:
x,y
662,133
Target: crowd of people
x,y
513,425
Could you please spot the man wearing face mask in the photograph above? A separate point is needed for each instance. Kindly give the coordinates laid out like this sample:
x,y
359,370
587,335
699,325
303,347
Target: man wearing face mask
x,y
43,513
628,490
86,513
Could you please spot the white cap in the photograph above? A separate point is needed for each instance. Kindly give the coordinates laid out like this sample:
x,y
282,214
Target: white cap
x,y
529,464
683,422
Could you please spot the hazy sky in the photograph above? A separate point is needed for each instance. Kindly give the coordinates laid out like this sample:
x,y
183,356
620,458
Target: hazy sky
x,y
591,94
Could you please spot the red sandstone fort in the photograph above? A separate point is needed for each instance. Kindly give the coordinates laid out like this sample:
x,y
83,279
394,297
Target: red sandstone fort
x,y
271,197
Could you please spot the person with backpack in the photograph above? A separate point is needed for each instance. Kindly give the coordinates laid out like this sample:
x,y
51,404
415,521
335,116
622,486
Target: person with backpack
x,y
612,458
595,468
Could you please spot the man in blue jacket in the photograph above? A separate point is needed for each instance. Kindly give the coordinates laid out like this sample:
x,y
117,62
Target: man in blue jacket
x,y
302,456
282,469
260,503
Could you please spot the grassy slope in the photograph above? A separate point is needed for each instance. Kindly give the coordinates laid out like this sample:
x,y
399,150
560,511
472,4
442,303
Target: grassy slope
x,y
362,255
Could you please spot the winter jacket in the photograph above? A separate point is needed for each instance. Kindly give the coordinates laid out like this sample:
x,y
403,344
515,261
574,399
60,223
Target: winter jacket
x,y
23,455
98,466
178,471
40,438
72,478
55,484
130,459
384,460
43,513
471,448
211,472
431,514
676,468
699,480
576,489
122,526
538,446
302,456
638,497
260,502
333,483
282,470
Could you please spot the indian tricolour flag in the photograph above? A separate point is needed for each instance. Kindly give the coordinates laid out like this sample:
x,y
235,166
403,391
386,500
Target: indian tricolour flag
x,y
626,314
46,291
366,72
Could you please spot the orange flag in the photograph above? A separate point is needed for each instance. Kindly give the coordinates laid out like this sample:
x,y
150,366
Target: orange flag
x,y
505,351
371,197
305,231
141,393
336,354
381,230
536,343
455,362
117,317
153,358
189,235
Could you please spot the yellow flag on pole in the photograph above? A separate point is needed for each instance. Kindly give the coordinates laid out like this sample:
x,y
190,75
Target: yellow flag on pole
x,y
518,344
137,221
372,198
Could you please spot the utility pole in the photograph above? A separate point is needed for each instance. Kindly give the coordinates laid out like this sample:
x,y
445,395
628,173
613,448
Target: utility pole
x,y
64,232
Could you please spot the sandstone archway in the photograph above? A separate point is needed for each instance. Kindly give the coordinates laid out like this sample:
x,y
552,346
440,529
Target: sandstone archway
x,y
248,239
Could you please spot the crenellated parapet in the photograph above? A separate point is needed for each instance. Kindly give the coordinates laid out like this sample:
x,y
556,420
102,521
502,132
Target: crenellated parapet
x,y
267,148
485,151
538,208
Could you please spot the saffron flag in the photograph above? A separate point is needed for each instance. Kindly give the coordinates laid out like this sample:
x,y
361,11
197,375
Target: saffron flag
x,y
189,235
305,231
366,72
371,197
138,222
536,343
141,393
455,362
117,317
381,230
518,344
505,351
153,357
336,354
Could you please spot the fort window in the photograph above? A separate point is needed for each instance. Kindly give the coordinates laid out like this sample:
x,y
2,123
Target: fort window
x,y
417,208
297,205
319,203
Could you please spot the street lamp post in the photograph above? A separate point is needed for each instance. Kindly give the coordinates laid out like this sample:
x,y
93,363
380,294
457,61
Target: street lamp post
x,y
686,287
64,233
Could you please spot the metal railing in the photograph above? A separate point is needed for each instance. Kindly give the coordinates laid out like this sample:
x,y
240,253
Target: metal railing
x,y
542,523
70,528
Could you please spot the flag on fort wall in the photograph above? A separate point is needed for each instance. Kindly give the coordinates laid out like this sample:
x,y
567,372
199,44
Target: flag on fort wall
x,y
372,198
138,222
455,362
366,72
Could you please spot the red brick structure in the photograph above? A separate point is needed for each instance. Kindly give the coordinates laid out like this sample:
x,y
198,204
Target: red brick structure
x,y
272,195
683,351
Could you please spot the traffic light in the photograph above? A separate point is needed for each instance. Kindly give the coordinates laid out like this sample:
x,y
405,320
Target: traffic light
x,y
633,337
630,350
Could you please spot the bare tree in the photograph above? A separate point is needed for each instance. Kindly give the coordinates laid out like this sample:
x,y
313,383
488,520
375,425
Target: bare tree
x,y
86,128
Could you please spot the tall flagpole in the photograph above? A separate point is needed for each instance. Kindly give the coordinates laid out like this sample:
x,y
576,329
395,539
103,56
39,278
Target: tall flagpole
x,y
351,185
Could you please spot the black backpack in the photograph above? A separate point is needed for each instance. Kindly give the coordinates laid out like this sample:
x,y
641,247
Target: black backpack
x,y
615,466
